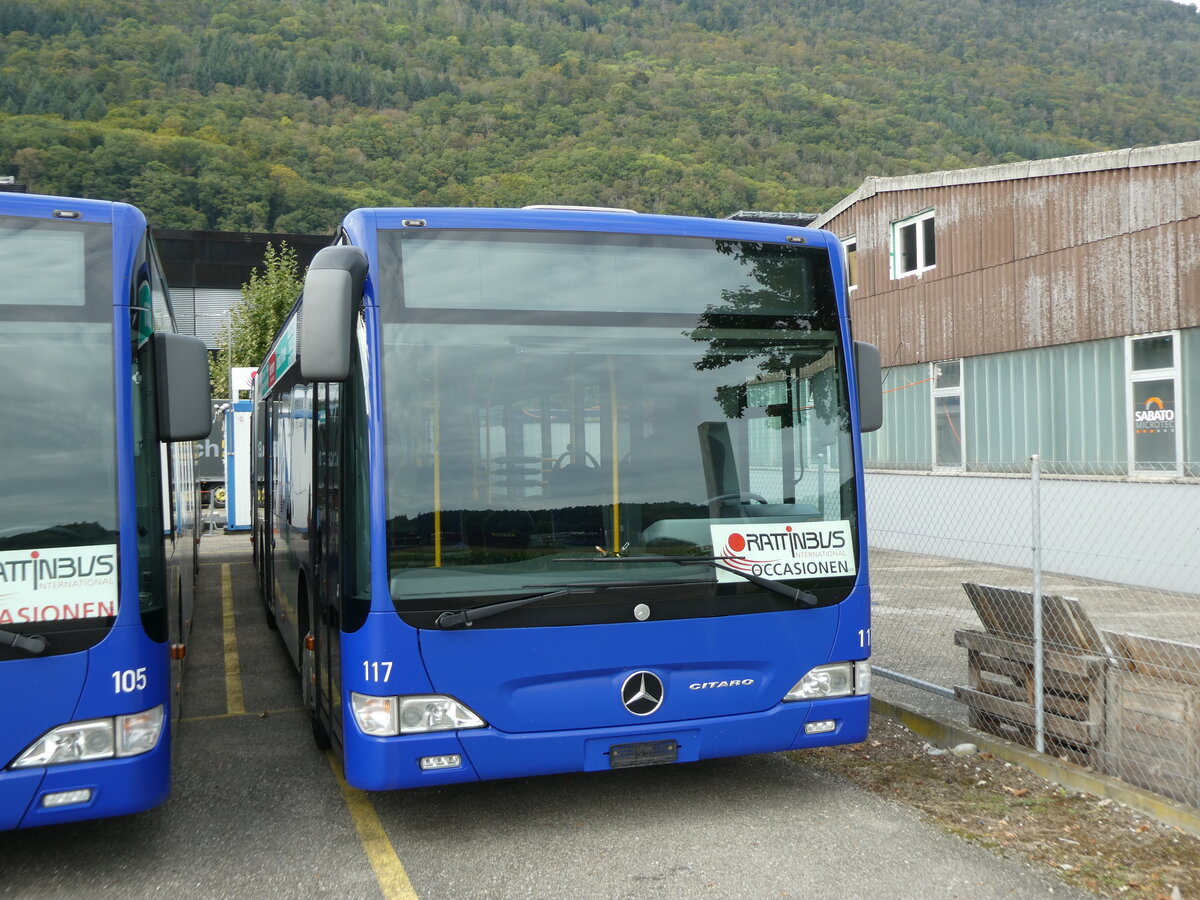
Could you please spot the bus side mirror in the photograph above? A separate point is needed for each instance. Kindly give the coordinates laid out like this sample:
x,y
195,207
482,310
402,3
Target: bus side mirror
x,y
184,394
869,374
331,286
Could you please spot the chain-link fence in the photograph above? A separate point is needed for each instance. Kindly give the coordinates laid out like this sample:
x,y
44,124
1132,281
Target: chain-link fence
x,y
1055,608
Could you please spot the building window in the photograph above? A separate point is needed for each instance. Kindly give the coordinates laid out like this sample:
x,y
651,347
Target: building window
x,y
914,247
1155,432
851,246
947,414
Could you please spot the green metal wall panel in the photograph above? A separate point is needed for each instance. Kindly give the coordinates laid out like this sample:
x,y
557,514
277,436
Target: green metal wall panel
x,y
905,440
1065,403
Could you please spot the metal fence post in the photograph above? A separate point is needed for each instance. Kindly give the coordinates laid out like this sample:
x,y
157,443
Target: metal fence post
x,y
1039,701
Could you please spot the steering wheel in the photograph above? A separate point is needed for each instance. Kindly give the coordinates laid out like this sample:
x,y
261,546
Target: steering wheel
x,y
740,497
589,460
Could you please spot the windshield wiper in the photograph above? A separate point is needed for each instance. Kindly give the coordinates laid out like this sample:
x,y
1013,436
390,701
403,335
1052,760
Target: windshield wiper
x,y
464,617
804,598
459,617
34,644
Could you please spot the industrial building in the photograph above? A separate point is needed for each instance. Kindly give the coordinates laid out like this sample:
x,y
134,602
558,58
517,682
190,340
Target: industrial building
x,y
1048,308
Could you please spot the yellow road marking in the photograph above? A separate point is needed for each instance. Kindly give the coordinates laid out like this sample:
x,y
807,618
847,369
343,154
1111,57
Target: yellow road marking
x,y
389,871
234,702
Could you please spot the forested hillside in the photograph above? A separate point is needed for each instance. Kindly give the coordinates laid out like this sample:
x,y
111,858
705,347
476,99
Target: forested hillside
x,y
280,115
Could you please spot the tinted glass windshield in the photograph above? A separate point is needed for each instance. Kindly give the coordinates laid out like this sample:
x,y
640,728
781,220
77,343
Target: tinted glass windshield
x,y
58,513
620,395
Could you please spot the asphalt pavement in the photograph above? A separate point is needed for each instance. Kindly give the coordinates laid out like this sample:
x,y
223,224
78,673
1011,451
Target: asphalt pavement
x,y
258,811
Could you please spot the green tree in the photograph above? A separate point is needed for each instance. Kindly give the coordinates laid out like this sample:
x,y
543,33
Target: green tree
x,y
266,300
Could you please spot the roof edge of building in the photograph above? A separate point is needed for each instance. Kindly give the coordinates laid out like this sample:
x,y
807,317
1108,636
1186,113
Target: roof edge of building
x,y
1128,158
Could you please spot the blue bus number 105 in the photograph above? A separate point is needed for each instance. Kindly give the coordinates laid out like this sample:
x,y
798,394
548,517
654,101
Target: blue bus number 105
x,y
126,681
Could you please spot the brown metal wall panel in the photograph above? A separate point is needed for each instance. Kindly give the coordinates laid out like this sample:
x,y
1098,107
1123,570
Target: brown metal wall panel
x,y
1065,208
951,225
1105,212
1068,290
886,335
999,222
1153,197
906,324
935,308
965,224
1027,262
882,331
864,315
1031,219
1109,285
1189,272
968,313
1154,281
998,310
993,228
1033,300
1188,187
951,322
875,232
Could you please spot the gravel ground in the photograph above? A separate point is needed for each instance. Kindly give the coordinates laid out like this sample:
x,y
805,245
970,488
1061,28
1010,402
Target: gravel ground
x,y
1091,843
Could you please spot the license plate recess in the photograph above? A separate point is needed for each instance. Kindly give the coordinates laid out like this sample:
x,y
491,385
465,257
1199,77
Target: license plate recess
x,y
645,753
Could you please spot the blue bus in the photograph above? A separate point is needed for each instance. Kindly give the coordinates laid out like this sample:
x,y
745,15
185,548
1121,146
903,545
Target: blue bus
x,y
97,510
567,489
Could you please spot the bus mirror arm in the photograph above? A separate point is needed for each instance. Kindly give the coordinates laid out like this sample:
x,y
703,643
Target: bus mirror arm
x,y
332,284
182,379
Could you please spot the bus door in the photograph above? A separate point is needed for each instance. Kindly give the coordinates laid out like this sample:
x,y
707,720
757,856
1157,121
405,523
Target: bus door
x,y
327,556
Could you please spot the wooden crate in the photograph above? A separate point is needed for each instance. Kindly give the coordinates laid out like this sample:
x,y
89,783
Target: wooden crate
x,y
1152,730
1000,696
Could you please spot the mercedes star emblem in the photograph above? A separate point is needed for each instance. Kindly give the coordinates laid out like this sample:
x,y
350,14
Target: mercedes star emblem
x,y
642,693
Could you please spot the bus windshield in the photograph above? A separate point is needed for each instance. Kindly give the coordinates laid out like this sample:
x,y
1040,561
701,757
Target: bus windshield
x,y
557,398
58,518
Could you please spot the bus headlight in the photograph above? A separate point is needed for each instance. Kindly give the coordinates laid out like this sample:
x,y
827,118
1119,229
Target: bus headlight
x,y
421,714
842,679
76,742
390,716
95,739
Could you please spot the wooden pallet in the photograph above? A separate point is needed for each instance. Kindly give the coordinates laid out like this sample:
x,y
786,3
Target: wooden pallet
x,y
1000,695
1152,734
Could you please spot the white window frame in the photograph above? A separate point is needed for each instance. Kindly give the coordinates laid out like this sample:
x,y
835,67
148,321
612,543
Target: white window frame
x,y
940,393
1132,378
897,254
849,245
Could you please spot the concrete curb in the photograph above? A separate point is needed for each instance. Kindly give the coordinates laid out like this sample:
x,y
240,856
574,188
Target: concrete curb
x,y
1184,817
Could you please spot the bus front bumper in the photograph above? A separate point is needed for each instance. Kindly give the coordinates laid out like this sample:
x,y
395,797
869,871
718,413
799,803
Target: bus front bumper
x,y
380,764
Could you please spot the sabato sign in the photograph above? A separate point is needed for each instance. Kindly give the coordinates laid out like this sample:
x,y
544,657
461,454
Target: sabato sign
x,y
779,552
58,584
1154,418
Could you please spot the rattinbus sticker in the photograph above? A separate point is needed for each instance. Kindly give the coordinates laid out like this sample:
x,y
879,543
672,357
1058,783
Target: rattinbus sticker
x,y
782,552
58,584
